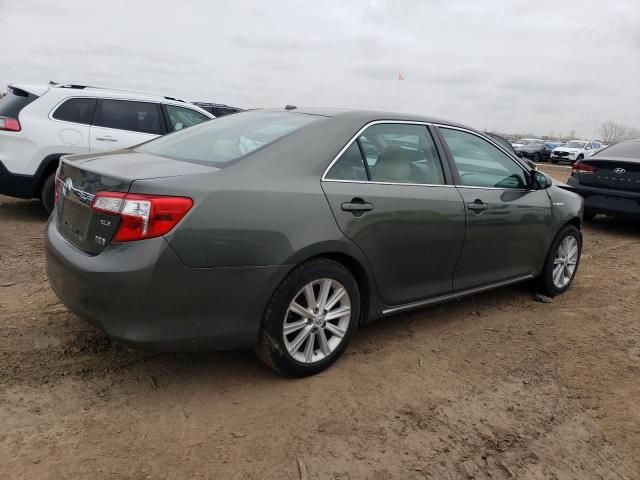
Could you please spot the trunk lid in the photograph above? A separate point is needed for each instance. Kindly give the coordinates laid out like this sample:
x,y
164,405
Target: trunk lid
x,y
616,173
80,177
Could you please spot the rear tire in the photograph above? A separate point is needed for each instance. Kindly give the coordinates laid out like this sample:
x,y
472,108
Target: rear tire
x,y
296,344
47,192
554,161
588,215
536,157
557,274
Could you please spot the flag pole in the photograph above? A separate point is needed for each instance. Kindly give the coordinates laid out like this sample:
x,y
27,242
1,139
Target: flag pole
x,y
399,78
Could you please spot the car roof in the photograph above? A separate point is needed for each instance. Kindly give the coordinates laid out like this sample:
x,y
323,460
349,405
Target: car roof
x,y
88,90
367,116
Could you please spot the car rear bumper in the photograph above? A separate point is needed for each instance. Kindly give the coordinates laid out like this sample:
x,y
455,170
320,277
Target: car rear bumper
x,y
608,201
17,185
143,296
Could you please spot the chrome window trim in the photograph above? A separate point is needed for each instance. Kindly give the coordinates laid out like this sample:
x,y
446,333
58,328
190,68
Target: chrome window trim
x,y
426,124
332,180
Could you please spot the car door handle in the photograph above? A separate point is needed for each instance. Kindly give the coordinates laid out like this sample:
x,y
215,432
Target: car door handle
x,y
357,205
107,139
477,206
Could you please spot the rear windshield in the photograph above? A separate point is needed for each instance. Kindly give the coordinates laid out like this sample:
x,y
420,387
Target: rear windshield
x,y
624,150
228,138
14,101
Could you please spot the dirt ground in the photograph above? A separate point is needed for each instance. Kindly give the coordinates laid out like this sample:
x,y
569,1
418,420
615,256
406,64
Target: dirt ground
x,y
495,386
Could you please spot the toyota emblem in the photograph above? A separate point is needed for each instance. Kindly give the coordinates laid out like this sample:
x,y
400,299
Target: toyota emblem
x,y
619,171
67,186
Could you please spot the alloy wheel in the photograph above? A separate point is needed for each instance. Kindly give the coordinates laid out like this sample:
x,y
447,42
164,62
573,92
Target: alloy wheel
x,y
317,320
565,261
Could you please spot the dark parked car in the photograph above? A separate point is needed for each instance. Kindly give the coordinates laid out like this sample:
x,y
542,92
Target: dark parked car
x,y
537,151
609,181
217,109
283,230
507,146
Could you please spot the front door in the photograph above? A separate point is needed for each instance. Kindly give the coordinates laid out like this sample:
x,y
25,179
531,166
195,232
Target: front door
x,y
400,209
508,223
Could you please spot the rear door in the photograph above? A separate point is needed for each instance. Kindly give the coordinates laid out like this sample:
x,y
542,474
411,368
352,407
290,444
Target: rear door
x,y
73,118
400,207
124,123
508,224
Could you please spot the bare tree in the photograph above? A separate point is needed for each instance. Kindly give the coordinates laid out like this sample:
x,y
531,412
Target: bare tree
x,y
612,132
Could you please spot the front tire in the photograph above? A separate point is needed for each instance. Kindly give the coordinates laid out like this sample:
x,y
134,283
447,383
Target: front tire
x,y
562,262
310,319
536,157
47,192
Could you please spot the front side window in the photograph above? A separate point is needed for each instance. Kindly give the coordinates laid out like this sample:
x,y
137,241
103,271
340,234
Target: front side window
x,y
228,138
180,118
143,117
76,110
394,153
481,164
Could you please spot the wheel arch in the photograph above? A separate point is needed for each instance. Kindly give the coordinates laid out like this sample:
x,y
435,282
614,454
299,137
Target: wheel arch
x,y
48,165
354,261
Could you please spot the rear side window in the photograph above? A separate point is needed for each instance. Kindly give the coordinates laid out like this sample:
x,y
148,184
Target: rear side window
x,y
227,138
143,117
181,118
395,153
76,110
350,166
14,101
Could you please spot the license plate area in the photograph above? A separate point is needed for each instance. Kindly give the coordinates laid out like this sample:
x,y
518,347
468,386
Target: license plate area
x,y
74,220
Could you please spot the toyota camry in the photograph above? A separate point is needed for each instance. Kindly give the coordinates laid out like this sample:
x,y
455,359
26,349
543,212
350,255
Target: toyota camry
x,y
284,230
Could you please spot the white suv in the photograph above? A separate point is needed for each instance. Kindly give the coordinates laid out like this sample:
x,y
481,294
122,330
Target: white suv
x,y
40,123
575,150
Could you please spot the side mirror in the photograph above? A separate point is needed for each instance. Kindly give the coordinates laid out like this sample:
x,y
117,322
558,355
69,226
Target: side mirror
x,y
541,180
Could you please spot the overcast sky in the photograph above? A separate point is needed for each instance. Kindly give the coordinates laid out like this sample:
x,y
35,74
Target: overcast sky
x,y
512,65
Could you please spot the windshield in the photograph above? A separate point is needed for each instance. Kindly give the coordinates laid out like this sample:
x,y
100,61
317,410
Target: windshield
x,y
524,141
575,144
624,149
228,138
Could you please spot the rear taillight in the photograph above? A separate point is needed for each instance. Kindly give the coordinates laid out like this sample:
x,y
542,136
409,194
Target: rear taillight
x,y
141,216
582,168
9,124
